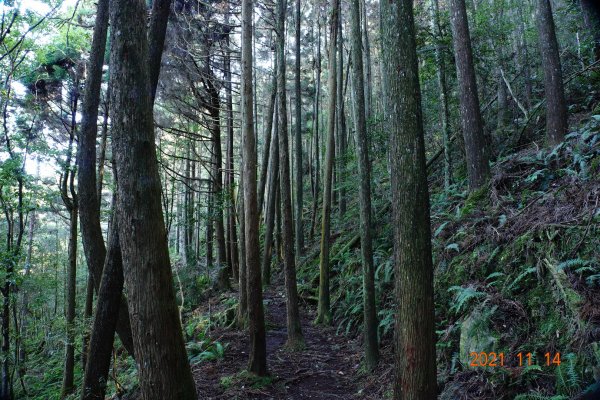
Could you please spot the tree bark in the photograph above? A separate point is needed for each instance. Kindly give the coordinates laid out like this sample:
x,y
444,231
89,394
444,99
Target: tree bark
x,y
298,140
414,335
443,86
591,18
163,366
364,172
324,310
478,168
88,190
294,330
105,321
257,362
556,105
268,139
271,197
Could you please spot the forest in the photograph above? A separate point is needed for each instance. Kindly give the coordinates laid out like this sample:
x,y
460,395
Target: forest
x,y
317,199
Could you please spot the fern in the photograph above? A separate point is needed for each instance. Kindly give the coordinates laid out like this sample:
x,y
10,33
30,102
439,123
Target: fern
x,y
576,262
463,296
521,276
539,396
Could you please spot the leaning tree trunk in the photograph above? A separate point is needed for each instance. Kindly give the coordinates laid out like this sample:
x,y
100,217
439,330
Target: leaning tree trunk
x,y
324,309
478,168
257,362
270,213
294,330
88,189
556,105
414,333
364,173
164,370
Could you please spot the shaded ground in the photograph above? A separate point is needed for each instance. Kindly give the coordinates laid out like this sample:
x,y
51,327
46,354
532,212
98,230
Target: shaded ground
x,y
328,368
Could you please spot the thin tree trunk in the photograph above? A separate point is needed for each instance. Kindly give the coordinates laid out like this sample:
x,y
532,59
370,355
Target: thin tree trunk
x,y
68,380
414,334
478,168
294,330
556,105
164,369
298,143
257,363
316,123
341,124
231,222
364,172
324,309
443,85
271,197
268,134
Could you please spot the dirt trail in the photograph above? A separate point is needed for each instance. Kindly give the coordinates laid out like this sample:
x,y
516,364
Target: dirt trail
x,y
328,368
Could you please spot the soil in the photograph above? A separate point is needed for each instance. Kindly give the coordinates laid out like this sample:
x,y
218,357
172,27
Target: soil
x,y
327,368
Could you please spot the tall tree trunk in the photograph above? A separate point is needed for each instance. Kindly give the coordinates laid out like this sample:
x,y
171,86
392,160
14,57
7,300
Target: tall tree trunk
x,y
87,186
108,307
164,370
364,173
68,380
268,134
556,105
316,123
324,310
294,330
591,18
478,167
231,215
367,62
271,197
414,334
242,311
298,137
341,124
257,363
70,200
443,86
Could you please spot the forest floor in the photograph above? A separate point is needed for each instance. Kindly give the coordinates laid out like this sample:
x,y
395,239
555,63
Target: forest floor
x,y
327,368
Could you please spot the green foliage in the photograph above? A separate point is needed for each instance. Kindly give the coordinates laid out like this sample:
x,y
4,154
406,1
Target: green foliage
x,y
463,296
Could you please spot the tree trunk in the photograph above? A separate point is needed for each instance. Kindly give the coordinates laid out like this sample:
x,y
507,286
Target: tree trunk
x,y
443,86
316,123
556,105
341,125
107,310
163,366
364,173
478,168
324,311
294,330
271,197
298,143
234,261
257,363
414,334
268,139
88,189
242,311
591,18
68,384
